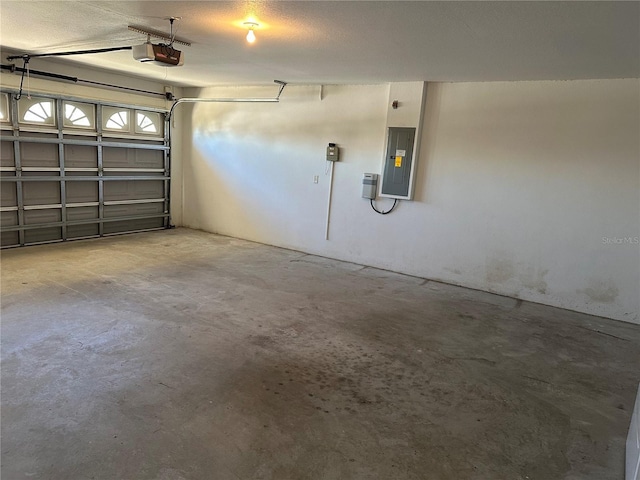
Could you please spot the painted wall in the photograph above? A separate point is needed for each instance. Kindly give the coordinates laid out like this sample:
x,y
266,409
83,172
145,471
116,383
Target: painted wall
x,y
42,85
528,189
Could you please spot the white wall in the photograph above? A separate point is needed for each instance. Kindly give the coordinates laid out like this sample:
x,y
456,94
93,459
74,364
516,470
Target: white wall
x,y
519,185
43,85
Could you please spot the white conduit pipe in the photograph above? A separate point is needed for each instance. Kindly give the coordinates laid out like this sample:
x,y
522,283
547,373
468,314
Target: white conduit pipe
x,y
326,231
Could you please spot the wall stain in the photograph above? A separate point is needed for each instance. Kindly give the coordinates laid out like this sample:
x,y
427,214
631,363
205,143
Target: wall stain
x,y
533,279
601,291
499,270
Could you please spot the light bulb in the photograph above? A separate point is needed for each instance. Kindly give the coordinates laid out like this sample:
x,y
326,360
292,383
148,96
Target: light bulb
x,y
251,36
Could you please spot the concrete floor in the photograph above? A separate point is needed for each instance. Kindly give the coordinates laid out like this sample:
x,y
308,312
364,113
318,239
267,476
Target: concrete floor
x,y
184,355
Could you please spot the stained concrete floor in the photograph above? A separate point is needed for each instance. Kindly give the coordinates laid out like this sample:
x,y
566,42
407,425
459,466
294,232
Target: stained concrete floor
x,y
184,355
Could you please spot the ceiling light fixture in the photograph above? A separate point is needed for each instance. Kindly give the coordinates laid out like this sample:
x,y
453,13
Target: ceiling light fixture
x,y
251,36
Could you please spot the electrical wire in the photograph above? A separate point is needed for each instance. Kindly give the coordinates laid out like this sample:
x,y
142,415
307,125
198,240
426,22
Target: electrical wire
x,y
395,202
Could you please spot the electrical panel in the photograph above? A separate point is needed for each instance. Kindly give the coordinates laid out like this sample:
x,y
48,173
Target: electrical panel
x,y
397,172
333,153
370,185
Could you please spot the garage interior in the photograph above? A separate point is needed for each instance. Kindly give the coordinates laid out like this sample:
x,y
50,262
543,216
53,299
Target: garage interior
x,y
197,281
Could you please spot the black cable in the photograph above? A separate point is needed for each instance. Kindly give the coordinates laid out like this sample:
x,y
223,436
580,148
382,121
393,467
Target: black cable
x,y
395,201
62,54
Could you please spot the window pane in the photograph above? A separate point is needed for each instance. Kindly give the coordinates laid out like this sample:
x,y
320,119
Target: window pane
x,y
116,119
149,123
38,111
79,115
4,107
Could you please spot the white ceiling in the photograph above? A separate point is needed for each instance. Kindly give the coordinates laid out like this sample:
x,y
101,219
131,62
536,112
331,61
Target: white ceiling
x,y
322,42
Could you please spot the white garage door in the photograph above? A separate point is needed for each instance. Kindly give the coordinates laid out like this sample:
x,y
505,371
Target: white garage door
x,y
72,169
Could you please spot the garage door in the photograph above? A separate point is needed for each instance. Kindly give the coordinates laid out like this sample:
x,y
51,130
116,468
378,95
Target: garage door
x,y
73,169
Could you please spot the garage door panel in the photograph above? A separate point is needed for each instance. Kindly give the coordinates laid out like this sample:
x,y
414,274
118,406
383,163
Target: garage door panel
x,y
144,224
138,140
49,215
124,173
83,173
26,135
79,231
39,235
8,196
80,156
82,213
6,154
82,192
41,193
85,136
42,172
39,155
112,211
114,157
133,190
9,239
8,219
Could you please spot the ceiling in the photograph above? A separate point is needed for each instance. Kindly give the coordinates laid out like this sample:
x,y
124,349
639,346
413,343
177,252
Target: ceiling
x,y
326,42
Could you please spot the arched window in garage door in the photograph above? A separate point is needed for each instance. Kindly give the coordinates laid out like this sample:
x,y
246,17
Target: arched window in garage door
x,y
4,108
118,121
79,115
37,111
144,124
